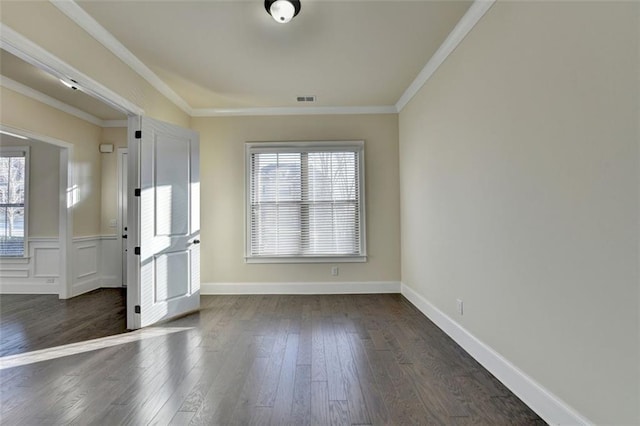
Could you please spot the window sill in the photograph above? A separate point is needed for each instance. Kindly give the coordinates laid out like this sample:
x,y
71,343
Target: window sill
x,y
318,259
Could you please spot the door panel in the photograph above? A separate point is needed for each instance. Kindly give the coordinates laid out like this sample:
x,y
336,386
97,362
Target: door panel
x,y
168,228
172,184
172,272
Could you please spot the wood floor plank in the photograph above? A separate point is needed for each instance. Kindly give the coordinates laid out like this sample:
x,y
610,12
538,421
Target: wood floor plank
x,y
249,395
318,362
219,402
339,413
305,346
335,379
284,397
371,388
269,385
301,409
358,411
181,418
319,404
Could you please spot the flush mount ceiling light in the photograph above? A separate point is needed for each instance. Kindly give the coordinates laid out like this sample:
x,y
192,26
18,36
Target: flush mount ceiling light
x,y
70,84
282,10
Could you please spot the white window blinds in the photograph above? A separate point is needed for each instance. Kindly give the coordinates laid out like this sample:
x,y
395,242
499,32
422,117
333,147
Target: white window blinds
x,y
305,201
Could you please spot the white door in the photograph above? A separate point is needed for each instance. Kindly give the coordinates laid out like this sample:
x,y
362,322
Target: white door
x,y
164,256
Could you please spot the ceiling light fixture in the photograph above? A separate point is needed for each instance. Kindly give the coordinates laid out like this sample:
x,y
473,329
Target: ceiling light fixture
x,y
282,10
70,84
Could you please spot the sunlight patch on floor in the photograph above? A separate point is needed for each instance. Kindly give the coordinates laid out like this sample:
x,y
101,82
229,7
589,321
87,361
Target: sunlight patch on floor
x,y
86,346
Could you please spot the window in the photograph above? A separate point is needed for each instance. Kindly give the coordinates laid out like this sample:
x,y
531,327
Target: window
x,y
13,193
305,202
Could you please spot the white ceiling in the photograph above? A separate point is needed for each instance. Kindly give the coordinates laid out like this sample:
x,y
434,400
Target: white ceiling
x,y
232,54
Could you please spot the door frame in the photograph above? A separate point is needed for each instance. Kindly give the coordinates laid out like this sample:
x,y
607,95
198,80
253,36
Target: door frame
x,y
122,168
66,194
133,222
34,54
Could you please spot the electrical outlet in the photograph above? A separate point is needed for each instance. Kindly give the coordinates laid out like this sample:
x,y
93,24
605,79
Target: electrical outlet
x,y
460,306
335,271
51,280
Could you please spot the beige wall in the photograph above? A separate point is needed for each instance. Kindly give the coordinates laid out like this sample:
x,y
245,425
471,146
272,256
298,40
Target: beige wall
x,y
45,25
44,187
519,186
222,199
24,113
109,177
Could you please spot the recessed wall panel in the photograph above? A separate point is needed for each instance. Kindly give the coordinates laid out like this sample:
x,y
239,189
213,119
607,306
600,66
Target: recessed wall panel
x,y
172,178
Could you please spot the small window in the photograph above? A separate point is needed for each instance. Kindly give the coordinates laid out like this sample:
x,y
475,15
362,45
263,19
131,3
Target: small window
x,y
13,193
305,202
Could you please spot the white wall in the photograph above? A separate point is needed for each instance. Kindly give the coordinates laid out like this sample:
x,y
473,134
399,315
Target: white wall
x,y
519,195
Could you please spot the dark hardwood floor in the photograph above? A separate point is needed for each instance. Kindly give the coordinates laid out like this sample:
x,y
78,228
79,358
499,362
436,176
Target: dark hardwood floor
x,y
30,322
280,360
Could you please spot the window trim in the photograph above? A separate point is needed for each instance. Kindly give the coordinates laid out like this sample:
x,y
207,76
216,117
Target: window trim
x,y
27,163
305,146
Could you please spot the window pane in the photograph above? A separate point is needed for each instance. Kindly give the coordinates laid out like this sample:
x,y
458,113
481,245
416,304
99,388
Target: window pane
x,y
332,176
333,228
276,229
16,180
11,231
276,177
4,180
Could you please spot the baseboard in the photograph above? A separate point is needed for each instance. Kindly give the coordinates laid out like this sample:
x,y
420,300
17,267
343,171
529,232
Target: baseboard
x,y
301,288
26,287
86,286
111,281
548,406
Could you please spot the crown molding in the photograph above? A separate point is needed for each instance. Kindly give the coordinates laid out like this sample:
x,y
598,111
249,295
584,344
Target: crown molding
x,y
463,27
354,110
10,84
17,44
114,123
74,12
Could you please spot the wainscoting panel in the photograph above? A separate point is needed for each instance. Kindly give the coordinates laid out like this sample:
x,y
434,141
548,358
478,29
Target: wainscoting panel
x,y
111,261
46,262
96,263
37,273
86,257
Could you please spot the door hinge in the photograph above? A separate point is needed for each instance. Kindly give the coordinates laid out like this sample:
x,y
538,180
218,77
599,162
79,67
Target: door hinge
x,y
138,134
137,309
136,192
136,251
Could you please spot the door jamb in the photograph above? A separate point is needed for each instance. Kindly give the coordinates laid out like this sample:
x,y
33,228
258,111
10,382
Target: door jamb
x,y
121,168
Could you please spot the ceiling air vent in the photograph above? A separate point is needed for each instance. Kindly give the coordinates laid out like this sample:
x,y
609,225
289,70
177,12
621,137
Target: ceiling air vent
x,y
306,98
